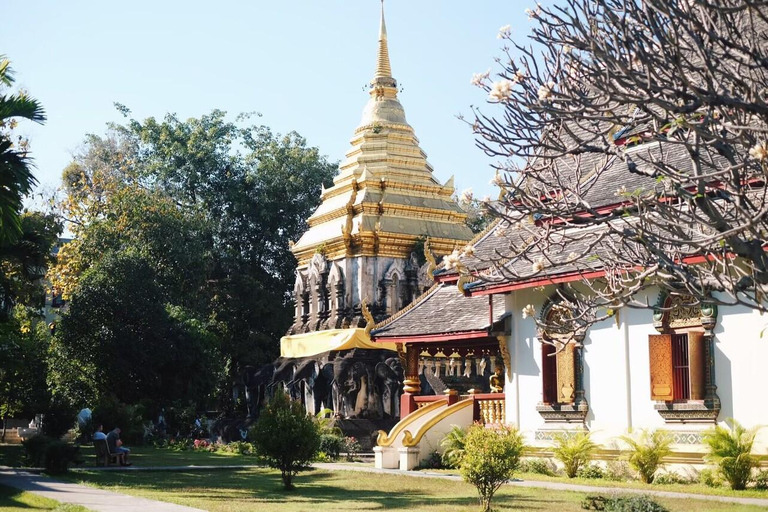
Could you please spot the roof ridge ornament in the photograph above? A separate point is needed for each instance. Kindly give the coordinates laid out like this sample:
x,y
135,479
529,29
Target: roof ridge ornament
x,y
383,74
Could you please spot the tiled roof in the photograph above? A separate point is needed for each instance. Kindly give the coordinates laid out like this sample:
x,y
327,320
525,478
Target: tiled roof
x,y
442,310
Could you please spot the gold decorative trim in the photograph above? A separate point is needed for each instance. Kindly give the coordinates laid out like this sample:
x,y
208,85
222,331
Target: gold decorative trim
x,y
410,441
429,256
421,298
385,439
505,355
369,321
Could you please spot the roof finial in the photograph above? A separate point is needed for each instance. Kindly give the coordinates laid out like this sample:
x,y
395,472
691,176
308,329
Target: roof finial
x,y
383,68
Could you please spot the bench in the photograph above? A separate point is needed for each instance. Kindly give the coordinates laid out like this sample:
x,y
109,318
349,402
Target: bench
x,y
103,455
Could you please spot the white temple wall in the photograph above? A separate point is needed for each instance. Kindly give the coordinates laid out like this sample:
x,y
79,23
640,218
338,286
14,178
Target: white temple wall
x,y
616,374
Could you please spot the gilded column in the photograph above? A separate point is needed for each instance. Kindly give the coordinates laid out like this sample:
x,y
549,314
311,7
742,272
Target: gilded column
x,y
411,384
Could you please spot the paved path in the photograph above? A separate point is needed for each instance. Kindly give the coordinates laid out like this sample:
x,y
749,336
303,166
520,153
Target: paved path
x,y
94,499
555,486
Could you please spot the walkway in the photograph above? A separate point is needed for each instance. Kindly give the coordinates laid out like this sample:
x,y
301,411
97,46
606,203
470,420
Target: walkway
x,y
94,499
555,486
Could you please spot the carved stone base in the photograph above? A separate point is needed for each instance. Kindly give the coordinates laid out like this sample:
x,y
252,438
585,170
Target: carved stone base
x,y
365,431
563,413
689,412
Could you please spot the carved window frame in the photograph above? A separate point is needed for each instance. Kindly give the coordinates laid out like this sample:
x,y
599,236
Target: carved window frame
x,y
679,314
566,412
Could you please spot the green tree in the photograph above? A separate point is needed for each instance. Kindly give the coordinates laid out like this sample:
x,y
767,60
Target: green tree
x,y
490,458
16,179
121,338
286,437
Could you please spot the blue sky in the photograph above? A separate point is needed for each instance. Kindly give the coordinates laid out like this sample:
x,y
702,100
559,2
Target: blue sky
x,y
302,64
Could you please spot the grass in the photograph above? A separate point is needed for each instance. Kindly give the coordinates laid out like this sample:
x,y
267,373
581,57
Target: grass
x,y
12,455
14,500
258,489
694,488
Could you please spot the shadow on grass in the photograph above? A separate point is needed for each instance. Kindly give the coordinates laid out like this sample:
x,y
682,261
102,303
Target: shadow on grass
x,y
11,455
314,489
9,499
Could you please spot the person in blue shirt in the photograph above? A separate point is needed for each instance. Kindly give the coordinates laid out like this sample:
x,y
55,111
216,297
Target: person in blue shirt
x,y
116,446
99,435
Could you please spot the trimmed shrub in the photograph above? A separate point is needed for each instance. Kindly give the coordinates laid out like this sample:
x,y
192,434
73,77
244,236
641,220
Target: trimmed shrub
x,y
621,504
538,466
574,451
490,458
52,454
286,437
592,471
453,446
731,450
647,452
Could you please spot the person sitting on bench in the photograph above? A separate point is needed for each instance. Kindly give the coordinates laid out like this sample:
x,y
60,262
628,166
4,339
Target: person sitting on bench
x,y
116,446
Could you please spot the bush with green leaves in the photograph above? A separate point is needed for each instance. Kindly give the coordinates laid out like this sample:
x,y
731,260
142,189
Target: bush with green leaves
x,y
731,450
761,480
670,478
453,446
49,453
58,418
538,466
352,448
331,445
621,504
648,450
286,437
490,458
591,471
573,450
710,478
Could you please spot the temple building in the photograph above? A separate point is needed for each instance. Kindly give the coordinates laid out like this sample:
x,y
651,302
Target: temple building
x,y
359,261
682,366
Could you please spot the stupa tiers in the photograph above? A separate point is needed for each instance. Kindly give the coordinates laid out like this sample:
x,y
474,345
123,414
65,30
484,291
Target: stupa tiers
x,y
361,239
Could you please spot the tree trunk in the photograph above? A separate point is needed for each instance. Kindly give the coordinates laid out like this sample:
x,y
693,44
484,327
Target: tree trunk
x,y
287,483
5,425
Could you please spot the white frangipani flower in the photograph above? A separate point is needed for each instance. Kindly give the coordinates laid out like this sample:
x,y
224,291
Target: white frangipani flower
x,y
545,91
486,200
466,196
567,49
479,78
572,256
759,151
533,14
529,310
504,31
452,260
501,90
468,250
621,192
497,180
520,75
538,265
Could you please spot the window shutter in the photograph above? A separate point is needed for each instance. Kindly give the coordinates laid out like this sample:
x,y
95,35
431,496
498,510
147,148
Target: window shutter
x,y
549,374
697,364
566,374
660,349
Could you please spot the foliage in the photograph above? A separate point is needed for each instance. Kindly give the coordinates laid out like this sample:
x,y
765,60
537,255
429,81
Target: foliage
x,y
761,480
648,452
59,417
118,340
478,216
16,179
208,206
352,448
645,124
490,458
591,471
622,504
710,478
286,437
433,461
331,445
538,466
618,471
50,453
111,413
669,478
731,450
574,451
453,446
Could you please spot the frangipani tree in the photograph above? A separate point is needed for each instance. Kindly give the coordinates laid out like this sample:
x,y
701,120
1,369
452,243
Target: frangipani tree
x,y
631,146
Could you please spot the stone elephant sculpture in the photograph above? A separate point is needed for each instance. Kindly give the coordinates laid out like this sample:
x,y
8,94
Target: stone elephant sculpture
x,y
283,376
353,385
255,381
389,383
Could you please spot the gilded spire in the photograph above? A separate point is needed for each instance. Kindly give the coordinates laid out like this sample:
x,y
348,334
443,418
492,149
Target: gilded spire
x,y
383,68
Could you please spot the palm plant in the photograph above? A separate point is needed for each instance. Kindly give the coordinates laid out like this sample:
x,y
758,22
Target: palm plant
x,y
574,451
16,179
731,450
648,450
453,443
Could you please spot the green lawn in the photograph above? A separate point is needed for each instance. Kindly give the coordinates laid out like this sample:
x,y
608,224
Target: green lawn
x,y
259,490
13,500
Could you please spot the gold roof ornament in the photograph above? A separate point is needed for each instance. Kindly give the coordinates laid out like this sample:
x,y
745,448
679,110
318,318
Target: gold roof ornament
x,y
383,67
